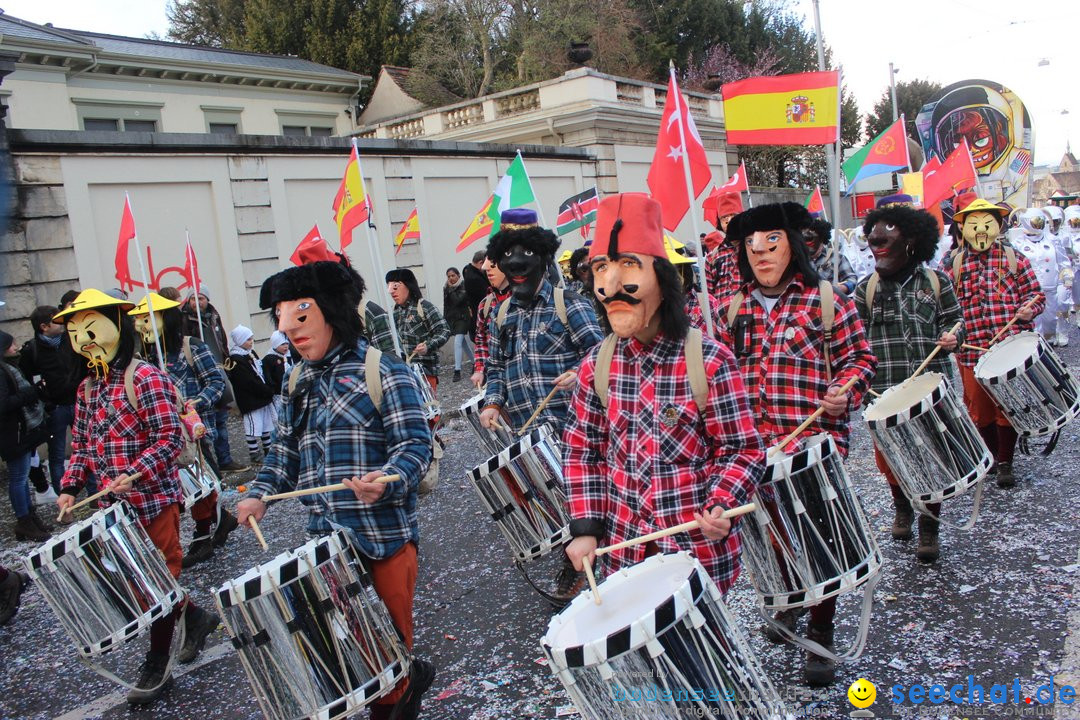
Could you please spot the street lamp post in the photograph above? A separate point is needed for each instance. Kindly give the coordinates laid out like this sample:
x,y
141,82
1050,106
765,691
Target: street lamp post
x,y
892,89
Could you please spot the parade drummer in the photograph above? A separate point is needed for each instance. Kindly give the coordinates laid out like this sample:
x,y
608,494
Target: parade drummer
x,y
421,328
132,451
647,446
994,284
721,256
330,431
791,362
909,312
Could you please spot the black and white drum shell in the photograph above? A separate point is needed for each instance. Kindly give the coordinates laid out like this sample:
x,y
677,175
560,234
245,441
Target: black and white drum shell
x,y
1030,384
522,489
493,441
104,579
197,482
432,408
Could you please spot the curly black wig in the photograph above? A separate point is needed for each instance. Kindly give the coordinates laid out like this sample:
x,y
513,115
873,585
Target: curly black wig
x,y
542,242
822,228
336,288
917,227
789,217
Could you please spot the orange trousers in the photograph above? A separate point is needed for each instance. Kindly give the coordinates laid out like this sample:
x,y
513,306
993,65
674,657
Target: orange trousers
x,y
164,532
980,405
394,579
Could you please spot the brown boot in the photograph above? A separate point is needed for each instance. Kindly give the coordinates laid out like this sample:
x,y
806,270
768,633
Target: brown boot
x,y
819,671
928,550
1005,477
901,527
27,529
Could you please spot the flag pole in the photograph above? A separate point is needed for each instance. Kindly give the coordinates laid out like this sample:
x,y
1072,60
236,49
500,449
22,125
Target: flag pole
x,y
703,291
376,260
832,150
146,284
194,284
539,207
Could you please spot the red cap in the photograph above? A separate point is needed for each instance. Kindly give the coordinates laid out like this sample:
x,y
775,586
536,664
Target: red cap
x,y
719,204
628,223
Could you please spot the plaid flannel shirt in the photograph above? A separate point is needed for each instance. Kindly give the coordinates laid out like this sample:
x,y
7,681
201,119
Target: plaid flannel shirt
x,y
488,306
377,327
413,330
722,275
330,430
905,323
109,438
203,383
823,263
783,366
653,458
532,349
990,295
696,316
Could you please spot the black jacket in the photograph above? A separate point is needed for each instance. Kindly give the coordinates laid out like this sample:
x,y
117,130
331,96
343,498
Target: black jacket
x,y
15,439
476,286
251,391
273,366
456,309
54,365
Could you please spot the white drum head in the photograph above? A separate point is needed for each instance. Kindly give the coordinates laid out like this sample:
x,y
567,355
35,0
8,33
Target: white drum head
x,y
629,595
1009,354
902,397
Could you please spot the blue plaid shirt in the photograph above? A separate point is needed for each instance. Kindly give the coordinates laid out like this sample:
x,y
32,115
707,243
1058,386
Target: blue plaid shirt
x,y
330,430
532,349
204,383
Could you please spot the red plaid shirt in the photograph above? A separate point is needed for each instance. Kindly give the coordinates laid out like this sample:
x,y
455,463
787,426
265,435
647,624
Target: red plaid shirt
x,y
783,365
722,275
696,316
480,339
110,439
652,459
990,296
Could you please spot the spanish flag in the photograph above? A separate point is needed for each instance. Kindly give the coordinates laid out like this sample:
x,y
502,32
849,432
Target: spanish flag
x,y
350,204
409,231
802,109
480,227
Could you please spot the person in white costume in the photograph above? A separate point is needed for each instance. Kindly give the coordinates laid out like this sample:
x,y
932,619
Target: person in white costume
x,y
1034,240
1069,239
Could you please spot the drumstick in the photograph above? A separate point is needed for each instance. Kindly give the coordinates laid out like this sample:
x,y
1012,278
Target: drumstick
x,y
586,565
325,489
538,410
258,533
873,392
808,421
936,350
973,347
1016,317
497,425
92,498
409,358
691,525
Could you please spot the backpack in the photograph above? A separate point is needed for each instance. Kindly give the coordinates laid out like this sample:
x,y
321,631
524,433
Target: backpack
x,y
828,317
560,308
695,368
872,283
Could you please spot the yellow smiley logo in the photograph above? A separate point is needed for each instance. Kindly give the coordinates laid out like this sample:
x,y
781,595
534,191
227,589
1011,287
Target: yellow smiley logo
x,y
862,693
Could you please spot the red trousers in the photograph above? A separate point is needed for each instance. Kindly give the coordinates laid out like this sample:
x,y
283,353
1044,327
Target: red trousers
x,y
980,405
164,532
884,468
394,579
205,509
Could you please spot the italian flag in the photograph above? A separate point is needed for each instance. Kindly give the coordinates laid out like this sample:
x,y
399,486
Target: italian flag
x,y
513,190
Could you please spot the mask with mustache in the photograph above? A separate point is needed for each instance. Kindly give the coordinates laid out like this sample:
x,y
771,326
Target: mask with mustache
x,y
630,292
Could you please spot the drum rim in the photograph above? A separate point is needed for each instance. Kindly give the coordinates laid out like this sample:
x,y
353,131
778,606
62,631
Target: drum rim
x,y
72,538
807,456
359,698
1041,348
849,581
923,405
133,629
525,442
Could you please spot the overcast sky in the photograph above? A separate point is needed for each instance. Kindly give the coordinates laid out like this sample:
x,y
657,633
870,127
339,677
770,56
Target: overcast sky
x,y
941,40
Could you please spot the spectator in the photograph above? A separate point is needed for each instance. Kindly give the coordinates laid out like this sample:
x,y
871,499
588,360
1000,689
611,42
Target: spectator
x,y
581,272
458,316
22,428
67,297
48,362
420,326
254,396
476,283
276,365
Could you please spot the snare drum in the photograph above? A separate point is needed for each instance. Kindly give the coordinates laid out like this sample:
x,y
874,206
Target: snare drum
x,y
522,488
928,439
313,637
1030,384
104,580
431,405
198,481
493,441
661,645
808,539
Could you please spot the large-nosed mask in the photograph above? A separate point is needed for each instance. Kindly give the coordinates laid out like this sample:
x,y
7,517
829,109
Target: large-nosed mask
x,y
303,322
630,292
980,230
769,253
95,336
524,270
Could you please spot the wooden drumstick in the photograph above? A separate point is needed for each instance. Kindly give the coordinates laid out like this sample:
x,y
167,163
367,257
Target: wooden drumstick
x,y
324,489
936,350
258,533
809,421
538,410
873,392
497,425
409,358
973,347
586,565
92,498
686,526
1016,317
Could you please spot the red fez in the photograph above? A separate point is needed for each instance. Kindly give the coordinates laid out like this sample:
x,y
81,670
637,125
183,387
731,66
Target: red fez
x,y
628,223
719,204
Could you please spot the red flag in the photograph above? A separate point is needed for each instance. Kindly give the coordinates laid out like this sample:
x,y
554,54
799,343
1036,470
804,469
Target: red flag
x,y
312,248
191,267
127,234
955,174
736,183
667,183
814,202
351,205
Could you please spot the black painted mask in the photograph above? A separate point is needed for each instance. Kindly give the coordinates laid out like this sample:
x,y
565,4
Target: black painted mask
x,y
524,271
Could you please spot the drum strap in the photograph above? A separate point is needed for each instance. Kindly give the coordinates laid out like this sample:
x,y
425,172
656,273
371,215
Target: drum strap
x,y
129,386
695,368
372,377
559,295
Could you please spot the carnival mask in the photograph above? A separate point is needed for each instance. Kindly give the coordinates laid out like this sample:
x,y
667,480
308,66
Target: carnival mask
x,y
524,268
630,292
769,253
891,251
399,292
95,336
980,229
495,277
303,322
145,328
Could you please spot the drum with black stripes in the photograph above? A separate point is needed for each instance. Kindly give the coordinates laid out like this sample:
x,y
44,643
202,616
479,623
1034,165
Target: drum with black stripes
x,y
313,637
104,579
494,440
522,488
662,644
1030,384
198,481
928,440
432,409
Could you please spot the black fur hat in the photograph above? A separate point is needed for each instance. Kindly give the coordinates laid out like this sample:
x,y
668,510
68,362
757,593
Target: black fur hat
x,y
790,217
336,288
542,242
407,278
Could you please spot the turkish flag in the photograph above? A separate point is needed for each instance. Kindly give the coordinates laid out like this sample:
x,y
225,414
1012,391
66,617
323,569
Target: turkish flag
x,y
735,183
127,234
955,174
678,136
191,268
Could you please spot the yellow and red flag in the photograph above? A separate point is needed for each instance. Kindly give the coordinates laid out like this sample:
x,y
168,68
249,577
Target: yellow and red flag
x,y
350,204
800,109
480,227
409,231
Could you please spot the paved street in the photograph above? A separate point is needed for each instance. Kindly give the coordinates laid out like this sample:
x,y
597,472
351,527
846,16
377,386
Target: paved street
x,y
995,606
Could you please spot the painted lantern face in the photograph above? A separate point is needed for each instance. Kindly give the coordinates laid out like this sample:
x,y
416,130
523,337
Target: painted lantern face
x,y
629,289
303,322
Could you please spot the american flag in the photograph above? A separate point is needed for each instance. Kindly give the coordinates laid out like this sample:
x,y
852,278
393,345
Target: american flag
x,y
1021,162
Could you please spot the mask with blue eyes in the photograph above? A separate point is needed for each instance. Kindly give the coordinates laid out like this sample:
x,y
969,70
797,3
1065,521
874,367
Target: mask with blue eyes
x,y
524,269
305,326
769,253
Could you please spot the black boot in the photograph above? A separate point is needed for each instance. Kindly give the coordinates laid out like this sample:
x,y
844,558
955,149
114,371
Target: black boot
x,y
198,624
787,618
928,550
37,519
901,527
225,526
1005,477
568,582
10,591
27,529
819,671
421,676
152,680
198,551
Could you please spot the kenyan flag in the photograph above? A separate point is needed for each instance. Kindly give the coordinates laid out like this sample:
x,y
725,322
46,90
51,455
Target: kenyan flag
x,y
578,213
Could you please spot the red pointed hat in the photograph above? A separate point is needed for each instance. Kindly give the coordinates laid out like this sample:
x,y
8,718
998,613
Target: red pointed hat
x,y
628,223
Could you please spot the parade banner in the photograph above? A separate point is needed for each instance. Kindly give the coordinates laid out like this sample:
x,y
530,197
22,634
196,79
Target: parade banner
x,y
678,136
887,153
801,109
409,231
997,128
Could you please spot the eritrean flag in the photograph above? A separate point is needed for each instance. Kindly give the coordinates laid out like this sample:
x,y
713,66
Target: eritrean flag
x,y
888,153
814,202
578,212
800,109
